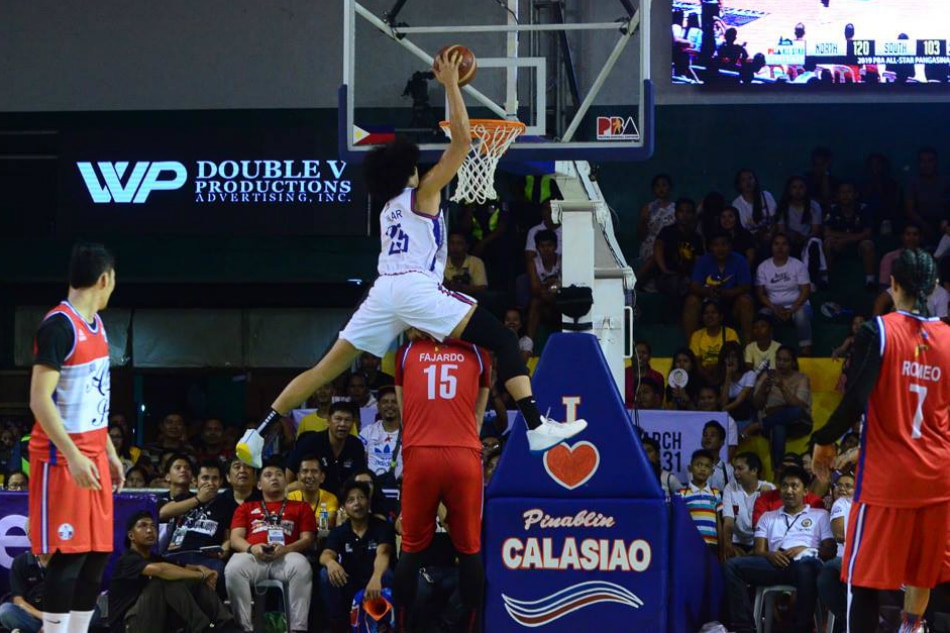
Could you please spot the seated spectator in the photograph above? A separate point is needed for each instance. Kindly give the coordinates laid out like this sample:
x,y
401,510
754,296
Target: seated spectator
x,y
848,232
843,351
910,239
129,454
136,477
211,444
654,217
383,439
772,499
703,501
783,398
171,439
375,376
798,216
926,195
643,370
545,278
340,454
723,276
380,504
706,342
756,208
649,395
742,241
684,398
831,590
738,499
463,272
242,480
358,555
311,476
763,347
938,301
24,611
269,539
547,224
17,481
676,249
515,323
736,383
487,227
714,438
197,521
357,391
150,595
790,545
730,55
321,400
783,287
670,484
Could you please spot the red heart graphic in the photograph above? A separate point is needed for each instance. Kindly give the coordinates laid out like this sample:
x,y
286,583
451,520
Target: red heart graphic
x,y
572,466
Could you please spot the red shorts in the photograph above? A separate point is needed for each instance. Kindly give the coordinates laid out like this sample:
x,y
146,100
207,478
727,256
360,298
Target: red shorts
x,y
452,475
889,547
68,518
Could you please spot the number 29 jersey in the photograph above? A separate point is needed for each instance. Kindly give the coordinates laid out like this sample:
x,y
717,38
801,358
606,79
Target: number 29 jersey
x,y
905,453
440,385
411,242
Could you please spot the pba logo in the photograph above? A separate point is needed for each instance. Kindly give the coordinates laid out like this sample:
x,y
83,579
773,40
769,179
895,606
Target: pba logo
x,y
617,128
534,613
144,178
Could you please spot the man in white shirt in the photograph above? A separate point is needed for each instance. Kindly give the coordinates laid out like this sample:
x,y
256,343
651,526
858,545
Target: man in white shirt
x,y
833,592
382,438
790,544
738,501
714,436
782,286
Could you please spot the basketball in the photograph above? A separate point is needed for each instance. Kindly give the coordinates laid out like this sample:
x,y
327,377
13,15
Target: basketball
x,y
469,66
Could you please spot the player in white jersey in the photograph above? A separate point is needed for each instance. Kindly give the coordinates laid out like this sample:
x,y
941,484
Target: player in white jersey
x,y
409,292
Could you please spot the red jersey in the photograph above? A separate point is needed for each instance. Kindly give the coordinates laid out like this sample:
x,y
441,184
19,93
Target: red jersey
x,y
80,352
440,384
906,441
297,517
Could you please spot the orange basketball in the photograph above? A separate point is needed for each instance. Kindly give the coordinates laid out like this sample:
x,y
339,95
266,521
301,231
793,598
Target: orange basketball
x,y
469,66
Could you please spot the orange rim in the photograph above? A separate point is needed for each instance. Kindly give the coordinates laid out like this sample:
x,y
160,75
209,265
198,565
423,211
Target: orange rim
x,y
490,126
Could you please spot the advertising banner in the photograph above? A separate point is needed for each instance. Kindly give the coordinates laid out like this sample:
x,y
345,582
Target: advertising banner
x,y
679,434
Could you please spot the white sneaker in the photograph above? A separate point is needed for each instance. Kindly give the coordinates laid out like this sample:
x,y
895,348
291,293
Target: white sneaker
x,y
551,433
250,447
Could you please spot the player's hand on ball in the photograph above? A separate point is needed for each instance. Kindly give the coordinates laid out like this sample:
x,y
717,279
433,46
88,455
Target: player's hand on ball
x,y
823,459
446,67
84,472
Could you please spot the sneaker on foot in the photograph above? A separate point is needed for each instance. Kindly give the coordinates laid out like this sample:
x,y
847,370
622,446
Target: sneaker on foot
x,y
551,433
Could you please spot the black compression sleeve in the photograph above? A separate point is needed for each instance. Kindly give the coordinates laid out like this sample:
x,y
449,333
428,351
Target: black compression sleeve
x,y
862,377
54,340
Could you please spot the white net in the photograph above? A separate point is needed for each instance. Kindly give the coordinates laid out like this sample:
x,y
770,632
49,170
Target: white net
x,y
490,140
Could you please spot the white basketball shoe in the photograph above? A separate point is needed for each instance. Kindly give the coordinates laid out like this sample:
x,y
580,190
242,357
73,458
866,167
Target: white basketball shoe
x,y
551,433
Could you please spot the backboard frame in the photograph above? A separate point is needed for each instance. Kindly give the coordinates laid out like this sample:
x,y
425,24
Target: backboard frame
x,y
528,148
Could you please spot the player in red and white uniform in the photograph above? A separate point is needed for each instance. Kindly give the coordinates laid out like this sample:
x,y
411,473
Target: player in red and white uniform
x,y
443,391
73,464
408,291
897,530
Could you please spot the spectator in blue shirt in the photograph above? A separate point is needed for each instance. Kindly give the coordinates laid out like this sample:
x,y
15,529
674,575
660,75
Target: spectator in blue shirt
x,y
720,275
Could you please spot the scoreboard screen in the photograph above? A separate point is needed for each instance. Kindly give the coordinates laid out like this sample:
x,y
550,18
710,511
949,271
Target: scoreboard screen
x,y
810,42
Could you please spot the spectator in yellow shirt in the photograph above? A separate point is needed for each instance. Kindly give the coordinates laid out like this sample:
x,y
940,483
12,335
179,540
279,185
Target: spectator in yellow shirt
x,y
464,272
310,477
317,420
706,342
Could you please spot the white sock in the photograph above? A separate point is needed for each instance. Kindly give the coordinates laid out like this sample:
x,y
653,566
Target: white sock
x,y
79,621
56,622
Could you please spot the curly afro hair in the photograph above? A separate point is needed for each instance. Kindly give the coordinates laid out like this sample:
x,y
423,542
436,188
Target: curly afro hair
x,y
388,168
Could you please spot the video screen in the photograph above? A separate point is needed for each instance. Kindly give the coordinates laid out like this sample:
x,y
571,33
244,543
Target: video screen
x,y
810,42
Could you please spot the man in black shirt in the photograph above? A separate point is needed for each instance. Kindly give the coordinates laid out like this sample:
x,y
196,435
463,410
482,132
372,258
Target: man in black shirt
x,y
149,595
341,454
242,480
676,250
358,555
27,585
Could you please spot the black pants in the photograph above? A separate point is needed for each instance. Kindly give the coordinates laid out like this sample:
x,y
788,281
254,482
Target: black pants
x,y
165,603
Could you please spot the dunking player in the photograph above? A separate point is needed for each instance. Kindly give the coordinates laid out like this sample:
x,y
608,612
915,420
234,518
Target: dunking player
x,y
897,533
73,464
443,391
409,291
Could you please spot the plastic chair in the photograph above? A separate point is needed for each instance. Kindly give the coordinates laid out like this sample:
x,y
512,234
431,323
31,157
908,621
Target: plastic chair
x,y
830,623
765,601
260,593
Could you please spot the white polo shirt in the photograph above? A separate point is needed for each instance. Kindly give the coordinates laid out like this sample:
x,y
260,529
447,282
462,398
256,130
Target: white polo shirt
x,y
738,504
840,510
723,473
785,531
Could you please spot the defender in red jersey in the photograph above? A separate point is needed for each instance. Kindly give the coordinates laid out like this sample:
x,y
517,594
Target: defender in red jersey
x,y
897,531
443,391
73,463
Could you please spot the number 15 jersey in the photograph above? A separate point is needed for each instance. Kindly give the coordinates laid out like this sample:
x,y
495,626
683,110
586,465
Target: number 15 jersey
x,y
440,386
905,455
411,241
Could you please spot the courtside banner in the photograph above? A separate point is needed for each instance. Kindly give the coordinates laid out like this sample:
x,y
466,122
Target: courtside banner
x,y
680,433
13,521
577,537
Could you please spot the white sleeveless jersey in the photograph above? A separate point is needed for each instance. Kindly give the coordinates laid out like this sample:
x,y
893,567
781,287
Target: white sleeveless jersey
x,y
411,241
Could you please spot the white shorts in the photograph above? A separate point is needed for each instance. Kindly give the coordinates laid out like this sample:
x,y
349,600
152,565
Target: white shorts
x,y
398,302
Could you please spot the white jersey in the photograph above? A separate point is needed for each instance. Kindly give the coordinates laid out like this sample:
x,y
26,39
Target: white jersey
x,y
411,241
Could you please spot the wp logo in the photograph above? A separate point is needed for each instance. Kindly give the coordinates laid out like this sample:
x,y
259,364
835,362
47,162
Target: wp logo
x,y
145,177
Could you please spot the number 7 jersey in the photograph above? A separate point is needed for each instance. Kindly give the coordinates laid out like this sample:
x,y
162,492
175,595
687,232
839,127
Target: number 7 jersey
x,y
411,241
905,453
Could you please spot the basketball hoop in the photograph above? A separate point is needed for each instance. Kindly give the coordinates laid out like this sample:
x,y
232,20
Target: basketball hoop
x,y
490,140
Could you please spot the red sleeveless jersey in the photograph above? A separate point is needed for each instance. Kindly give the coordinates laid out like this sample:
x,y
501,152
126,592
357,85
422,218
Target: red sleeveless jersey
x,y
905,455
82,393
440,384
